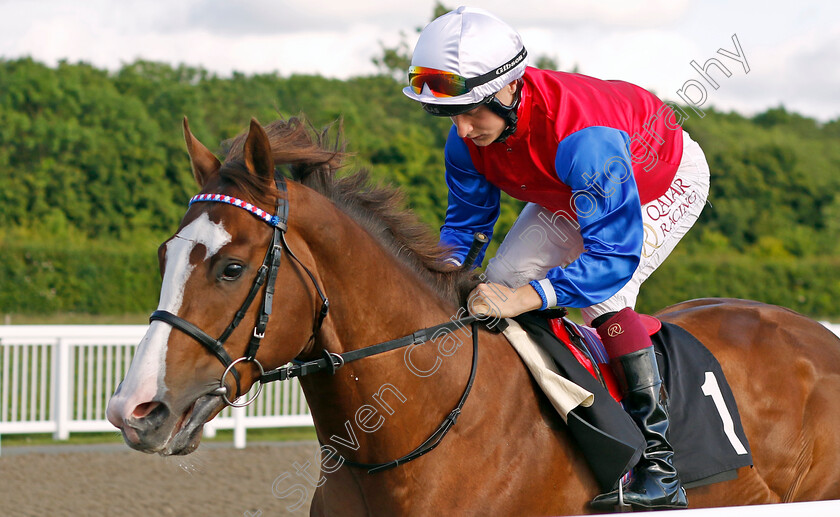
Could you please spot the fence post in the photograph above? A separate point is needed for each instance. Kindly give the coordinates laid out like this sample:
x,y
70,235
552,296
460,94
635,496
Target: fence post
x,y
239,427
209,430
62,389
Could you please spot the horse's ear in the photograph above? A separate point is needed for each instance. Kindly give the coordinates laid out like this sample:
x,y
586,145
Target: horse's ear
x,y
204,163
257,153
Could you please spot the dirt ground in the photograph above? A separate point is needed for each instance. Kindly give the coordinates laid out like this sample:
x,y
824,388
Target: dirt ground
x,y
116,481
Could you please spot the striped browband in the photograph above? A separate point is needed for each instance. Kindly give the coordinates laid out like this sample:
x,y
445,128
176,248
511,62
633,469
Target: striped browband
x,y
272,220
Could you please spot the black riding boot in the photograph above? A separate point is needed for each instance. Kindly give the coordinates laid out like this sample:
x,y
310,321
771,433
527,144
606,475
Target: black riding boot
x,y
655,481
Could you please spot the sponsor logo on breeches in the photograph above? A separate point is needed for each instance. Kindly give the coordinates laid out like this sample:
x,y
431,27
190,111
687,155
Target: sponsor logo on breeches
x,y
663,215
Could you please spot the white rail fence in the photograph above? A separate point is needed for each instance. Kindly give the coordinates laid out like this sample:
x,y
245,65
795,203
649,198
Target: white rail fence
x,y
58,379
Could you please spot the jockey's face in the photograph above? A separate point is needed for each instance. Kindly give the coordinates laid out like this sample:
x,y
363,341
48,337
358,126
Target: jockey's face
x,y
480,124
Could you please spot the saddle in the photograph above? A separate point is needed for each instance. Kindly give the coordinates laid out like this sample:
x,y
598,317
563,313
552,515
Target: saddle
x,y
706,432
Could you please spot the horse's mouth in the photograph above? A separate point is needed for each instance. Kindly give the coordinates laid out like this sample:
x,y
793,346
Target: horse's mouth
x,y
186,434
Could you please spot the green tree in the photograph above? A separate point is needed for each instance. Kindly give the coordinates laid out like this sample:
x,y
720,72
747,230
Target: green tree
x,y
94,175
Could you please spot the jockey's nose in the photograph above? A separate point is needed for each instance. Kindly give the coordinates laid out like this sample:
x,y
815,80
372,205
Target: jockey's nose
x,y
463,125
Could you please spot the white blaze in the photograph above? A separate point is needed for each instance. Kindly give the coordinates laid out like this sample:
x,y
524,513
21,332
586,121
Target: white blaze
x,y
144,379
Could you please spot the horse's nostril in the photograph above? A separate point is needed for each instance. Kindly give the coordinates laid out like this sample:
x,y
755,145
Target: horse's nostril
x,y
150,414
144,409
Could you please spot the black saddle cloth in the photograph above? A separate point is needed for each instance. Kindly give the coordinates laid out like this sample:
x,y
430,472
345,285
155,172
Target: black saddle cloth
x,y
706,432
705,448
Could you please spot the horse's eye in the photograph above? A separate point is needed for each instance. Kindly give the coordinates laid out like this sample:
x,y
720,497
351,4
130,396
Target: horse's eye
x,y
232,271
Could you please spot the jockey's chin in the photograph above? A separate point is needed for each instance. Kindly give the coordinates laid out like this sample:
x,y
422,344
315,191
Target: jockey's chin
x,y
484,140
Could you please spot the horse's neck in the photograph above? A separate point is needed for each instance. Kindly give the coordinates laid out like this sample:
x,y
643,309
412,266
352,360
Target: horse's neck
x,y
375,298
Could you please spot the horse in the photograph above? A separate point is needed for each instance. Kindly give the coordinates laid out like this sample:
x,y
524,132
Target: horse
x,y
353,242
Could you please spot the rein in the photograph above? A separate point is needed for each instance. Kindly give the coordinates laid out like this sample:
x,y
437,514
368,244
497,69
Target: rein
x,y
330,362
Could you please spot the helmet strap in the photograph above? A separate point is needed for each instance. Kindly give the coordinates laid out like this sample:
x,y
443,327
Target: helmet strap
x,y
508,113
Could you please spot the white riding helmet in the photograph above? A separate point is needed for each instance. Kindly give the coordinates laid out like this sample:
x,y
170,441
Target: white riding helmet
x,y
462,58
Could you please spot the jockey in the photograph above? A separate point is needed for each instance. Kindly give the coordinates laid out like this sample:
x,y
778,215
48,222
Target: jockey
x,y
612,183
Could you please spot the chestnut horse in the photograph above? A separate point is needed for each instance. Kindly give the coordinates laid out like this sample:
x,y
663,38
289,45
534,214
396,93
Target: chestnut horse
x,y
510,453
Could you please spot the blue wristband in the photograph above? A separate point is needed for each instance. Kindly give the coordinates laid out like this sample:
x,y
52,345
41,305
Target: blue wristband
x,y
538,288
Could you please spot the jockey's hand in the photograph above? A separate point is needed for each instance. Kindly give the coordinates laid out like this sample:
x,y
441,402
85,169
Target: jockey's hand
x,y
499,301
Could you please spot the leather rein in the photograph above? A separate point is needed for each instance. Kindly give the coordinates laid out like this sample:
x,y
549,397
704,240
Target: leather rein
x,y
329,362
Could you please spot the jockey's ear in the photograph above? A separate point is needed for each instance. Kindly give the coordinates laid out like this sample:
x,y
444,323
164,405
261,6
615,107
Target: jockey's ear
x,y
204,163
508,93
257,153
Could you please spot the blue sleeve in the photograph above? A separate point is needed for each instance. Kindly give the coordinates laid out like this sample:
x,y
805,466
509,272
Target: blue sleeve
x,y
473,201
595,163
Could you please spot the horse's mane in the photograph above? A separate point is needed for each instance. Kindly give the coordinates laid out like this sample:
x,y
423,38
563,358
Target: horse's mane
x,y
380,209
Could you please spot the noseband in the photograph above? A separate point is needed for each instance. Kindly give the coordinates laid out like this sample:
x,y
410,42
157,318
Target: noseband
x,y
267,274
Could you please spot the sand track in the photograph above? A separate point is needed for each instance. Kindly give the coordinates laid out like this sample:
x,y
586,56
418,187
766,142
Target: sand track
x,y
218,481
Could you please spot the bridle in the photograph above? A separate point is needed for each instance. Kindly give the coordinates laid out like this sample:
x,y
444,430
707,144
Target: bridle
x,y
329,362
266,274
